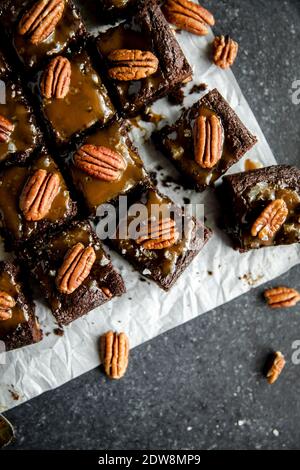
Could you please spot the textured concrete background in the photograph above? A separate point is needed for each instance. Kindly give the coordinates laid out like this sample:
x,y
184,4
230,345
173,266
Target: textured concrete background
x,y
200,386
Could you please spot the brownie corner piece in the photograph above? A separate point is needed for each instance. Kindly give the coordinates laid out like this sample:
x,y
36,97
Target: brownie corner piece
x,y
147,31
167,240
262,207
188,142
59,25
18,324
74,272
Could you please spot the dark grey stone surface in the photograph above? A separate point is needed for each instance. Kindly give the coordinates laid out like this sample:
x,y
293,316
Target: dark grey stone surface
x,y
200,386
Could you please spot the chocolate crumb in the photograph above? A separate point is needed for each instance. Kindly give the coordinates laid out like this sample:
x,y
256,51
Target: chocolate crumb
x,y
176,96
186,200
210,273
15,396
153,177
58,331
198,88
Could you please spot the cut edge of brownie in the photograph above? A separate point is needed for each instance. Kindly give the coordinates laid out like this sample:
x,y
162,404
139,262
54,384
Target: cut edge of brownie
x,y
239,136
28,333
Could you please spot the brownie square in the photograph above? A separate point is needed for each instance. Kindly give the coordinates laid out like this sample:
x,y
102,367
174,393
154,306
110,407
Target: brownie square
x,y
68,29
245,197
14,222
46,258
177,141
18,324
19,131
148,31
97,189
85,104
162,263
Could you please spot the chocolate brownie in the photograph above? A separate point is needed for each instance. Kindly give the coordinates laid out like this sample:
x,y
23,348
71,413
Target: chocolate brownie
x,y
80,103
188,143
35,40
105,166
158,239
33,200
262,207
147,34
18,324
74,272
19,132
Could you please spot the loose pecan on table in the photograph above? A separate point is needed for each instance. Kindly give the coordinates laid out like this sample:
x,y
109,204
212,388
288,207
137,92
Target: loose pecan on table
x,y
6,129
208,141
276,368
100,162
282,297
189,16
38,195
126,64
56,79
75,269
271,220
114,352
7,302
158,235
41,20
225,51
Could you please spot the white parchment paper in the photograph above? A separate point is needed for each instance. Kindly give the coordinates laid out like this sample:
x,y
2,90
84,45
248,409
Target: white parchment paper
x,y
145,311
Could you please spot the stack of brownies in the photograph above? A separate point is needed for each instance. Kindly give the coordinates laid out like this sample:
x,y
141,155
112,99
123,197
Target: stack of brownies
x,y
65,152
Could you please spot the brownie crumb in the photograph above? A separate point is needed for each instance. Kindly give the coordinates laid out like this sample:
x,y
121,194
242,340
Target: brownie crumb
x,y
58,331
153,177
186,200
210,273
142,279
158,168
149,116
15,396
176,97
198,88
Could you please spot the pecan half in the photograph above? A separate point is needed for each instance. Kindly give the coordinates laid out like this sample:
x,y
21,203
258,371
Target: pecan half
x,y
114,352
276,368
102,163
208,141
157,235
38,195
189,16
282,297
126,65
225,51
41,20
6,129
270,220
56,79
75,269
7,302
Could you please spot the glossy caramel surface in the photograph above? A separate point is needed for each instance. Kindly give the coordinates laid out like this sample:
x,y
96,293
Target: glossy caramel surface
x,y
19,312
25,134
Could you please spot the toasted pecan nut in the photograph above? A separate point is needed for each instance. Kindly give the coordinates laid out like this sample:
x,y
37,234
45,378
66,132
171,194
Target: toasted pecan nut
x,y
126,64
282,297
7,302
158,235
56,79
100,162
270,220
225,51
41,20
75,269
189,16
208,141
114,352
38,195
106,291
276,368
6,129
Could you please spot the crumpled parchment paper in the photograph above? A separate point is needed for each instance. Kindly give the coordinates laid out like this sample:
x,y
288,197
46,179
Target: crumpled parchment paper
x,y
146,311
